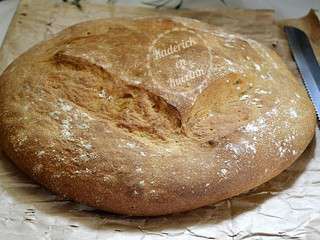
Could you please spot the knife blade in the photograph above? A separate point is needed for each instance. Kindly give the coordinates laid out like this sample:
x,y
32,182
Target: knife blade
x,y
307,63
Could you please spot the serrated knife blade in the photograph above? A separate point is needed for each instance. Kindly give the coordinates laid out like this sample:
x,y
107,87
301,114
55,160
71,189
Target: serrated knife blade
x,y
307,63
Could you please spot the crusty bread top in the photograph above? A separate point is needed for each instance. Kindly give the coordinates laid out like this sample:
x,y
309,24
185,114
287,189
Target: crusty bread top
x,y
91,114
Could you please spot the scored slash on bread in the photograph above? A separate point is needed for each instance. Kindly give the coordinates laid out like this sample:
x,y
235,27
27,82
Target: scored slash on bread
x,y
81,115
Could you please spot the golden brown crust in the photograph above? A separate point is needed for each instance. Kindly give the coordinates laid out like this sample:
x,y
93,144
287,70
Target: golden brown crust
x,y
90,115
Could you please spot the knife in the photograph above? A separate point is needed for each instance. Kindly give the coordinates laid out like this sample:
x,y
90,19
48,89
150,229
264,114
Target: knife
x,y
307,63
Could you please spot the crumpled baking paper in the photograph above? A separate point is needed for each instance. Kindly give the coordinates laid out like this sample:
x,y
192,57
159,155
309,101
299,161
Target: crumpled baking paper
x,y
287,207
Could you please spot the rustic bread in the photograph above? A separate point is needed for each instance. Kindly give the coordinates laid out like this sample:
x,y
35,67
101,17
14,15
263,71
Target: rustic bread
x,y
151,116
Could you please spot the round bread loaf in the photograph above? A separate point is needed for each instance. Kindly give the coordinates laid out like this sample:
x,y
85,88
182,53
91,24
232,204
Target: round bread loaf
x,y
151,116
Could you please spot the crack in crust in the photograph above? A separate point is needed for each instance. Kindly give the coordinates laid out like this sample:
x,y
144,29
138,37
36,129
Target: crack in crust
x,y
129,107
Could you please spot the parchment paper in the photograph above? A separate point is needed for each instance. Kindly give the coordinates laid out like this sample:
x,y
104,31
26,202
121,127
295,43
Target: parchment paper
x,y
287,207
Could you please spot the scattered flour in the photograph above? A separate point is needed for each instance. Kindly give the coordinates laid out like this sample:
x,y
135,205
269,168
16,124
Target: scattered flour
x,y
40,153
293,113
